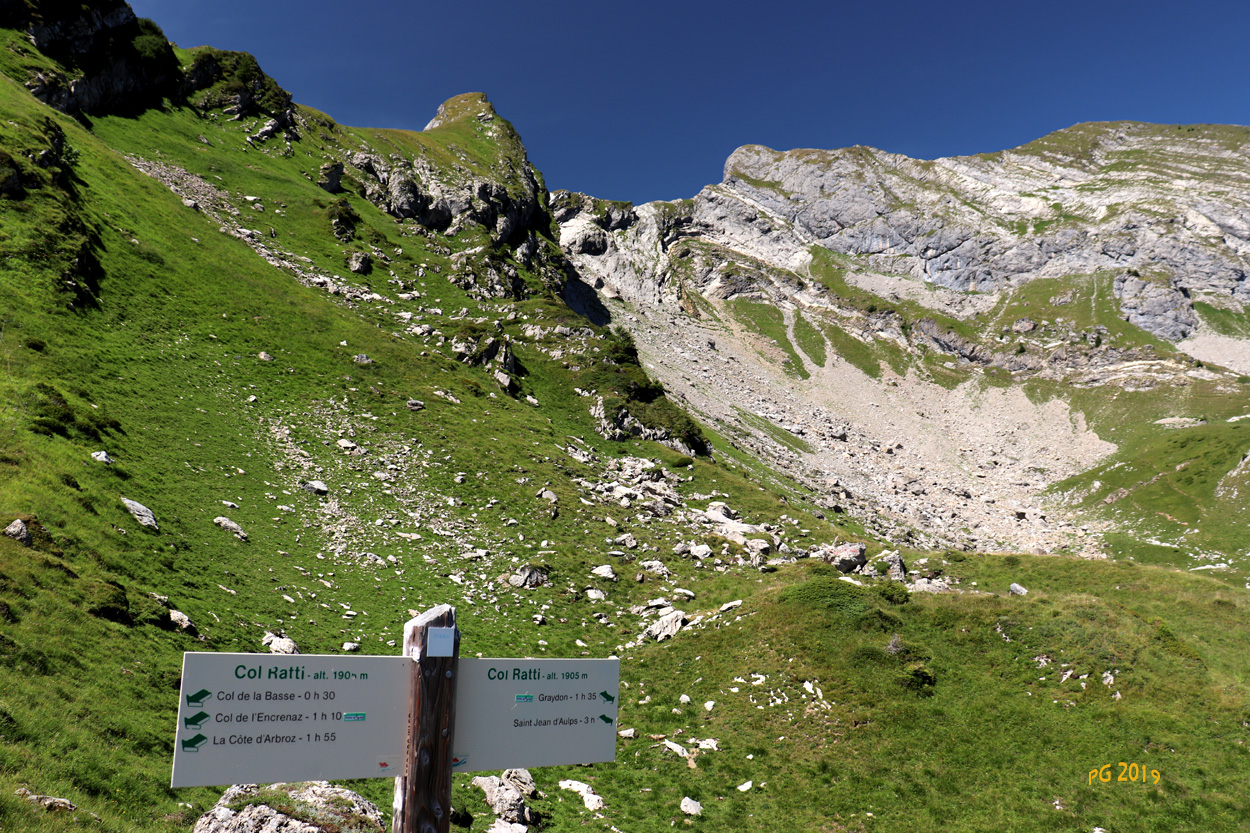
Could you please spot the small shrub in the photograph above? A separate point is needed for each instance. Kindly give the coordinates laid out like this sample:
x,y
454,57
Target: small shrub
x,y
829,594
893,592
621,347
107,600
919,678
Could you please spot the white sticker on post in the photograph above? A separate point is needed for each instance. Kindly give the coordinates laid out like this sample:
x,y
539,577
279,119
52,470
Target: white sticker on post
x,y
440,642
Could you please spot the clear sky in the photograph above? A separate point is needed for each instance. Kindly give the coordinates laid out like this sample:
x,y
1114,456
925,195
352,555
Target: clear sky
x,y
643,100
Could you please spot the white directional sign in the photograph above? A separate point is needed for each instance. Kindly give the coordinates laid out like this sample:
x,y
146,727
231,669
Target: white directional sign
x,y
535,712
249,718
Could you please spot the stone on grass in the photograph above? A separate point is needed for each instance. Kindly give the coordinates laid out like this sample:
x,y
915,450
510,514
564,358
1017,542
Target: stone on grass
x,y
666,626
317,487
590,798
502,826
604,571
320,806
656,568
691,807
1017,590
279,644
528,577
141,513
746,787
48,802
503,798
101,457
231,527
846,557
521,779
351,647
18,532
895,569
182,621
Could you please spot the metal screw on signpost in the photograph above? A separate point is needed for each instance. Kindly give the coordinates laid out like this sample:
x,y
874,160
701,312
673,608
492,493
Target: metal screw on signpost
x,y
423,794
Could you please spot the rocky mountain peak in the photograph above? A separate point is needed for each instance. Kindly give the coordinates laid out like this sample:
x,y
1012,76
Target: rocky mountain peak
x,y
463,106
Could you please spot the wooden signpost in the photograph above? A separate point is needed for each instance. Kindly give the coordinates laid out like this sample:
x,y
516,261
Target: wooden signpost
x,y
423,793
250,718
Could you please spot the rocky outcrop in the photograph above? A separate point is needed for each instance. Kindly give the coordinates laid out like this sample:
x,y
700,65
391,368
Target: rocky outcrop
x,y
1159,307
313,807
988,223
509,201
116,61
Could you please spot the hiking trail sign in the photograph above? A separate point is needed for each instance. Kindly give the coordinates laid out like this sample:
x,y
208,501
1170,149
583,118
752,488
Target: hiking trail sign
x,y
535,712
250,718
418,717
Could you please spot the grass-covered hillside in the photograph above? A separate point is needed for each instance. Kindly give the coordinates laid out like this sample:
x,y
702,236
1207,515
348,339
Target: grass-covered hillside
x,y
337,366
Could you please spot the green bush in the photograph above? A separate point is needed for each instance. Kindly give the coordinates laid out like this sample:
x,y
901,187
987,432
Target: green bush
x,y
919,678
894,592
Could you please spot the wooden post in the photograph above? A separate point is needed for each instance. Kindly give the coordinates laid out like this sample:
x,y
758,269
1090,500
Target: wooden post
x,y
423,793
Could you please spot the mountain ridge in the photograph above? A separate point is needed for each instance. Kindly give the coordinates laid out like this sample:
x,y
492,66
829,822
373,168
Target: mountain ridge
x,y
272,382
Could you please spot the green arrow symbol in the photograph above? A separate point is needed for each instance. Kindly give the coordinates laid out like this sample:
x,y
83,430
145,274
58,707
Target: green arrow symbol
x,y
605,718
195,721
196,700
194,744
607,697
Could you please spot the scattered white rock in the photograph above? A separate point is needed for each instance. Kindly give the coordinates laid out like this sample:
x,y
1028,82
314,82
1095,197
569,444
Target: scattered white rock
x,y
279,644
666,626
48,802
1017,590
101,457
590,798
141,513
504,799
182,620
691,807
18,532
231,527
335,803
502,826
746,787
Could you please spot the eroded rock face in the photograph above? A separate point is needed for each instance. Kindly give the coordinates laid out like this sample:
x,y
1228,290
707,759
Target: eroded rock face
x,y
1058,206
116,61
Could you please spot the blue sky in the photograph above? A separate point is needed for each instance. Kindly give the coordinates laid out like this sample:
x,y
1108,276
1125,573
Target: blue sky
x,y
644,100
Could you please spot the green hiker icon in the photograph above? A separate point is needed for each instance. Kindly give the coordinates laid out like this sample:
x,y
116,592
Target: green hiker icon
x,y
607,697
193,744
196,700
195,721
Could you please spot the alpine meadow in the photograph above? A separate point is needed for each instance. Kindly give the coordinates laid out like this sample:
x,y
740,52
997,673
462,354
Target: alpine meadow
x,y
908,493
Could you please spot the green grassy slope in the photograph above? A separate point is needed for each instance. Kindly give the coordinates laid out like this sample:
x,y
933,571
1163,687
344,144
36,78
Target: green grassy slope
x,y
132,324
